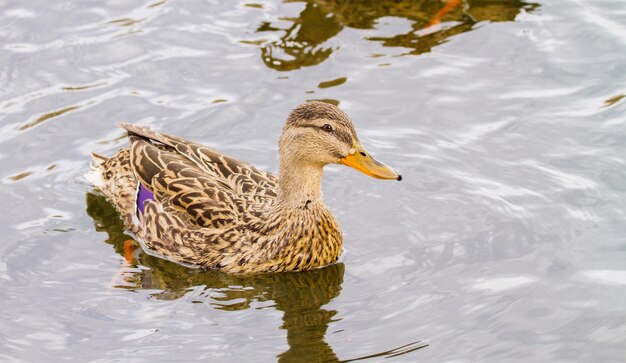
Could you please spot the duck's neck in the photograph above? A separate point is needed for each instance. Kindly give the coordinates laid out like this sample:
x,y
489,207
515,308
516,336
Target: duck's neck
x,y
299,185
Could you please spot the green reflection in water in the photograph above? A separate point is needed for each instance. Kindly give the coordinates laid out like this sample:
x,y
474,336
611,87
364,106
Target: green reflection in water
x,y
300,296
305,42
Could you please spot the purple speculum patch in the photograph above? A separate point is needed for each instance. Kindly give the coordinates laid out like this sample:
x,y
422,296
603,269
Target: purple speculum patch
x,y
143,195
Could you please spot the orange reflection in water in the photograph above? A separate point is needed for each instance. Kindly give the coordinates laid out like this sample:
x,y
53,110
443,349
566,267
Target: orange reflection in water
x,y
443,11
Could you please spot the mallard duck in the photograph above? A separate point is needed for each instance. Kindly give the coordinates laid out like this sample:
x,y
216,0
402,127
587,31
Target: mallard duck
x,y
195,206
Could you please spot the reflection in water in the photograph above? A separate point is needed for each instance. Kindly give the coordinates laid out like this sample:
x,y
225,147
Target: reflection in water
x,y
432,22
301,46
300,296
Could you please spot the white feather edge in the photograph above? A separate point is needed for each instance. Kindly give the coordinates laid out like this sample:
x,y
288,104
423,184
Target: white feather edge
x,y
94,175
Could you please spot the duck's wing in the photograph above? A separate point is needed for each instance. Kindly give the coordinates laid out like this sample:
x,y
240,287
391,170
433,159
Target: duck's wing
x,y
195,217
186,191
242,178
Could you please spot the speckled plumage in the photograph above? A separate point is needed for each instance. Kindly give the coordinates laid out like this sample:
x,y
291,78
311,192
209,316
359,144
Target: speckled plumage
x,y
217,212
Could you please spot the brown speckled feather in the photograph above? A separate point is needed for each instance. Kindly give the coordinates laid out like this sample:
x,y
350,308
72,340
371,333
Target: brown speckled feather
x,y
244,179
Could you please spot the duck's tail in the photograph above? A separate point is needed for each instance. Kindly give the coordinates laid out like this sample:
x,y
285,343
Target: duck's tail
x,y
94,175
115,179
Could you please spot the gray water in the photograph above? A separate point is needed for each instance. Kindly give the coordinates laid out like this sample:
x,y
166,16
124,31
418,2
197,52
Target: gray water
x,y
505,241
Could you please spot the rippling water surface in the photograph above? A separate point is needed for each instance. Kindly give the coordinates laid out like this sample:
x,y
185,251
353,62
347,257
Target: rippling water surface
x,y
506,240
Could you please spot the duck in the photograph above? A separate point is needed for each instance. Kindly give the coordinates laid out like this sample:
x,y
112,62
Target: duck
x,y
197,207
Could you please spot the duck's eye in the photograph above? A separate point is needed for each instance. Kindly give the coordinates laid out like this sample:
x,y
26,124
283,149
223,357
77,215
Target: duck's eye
x,y
327,127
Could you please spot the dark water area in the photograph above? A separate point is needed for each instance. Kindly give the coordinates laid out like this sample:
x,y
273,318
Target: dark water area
x,y
505,240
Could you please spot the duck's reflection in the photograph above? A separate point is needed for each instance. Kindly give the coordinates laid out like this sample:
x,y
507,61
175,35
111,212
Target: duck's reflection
x,y
300,296
305,42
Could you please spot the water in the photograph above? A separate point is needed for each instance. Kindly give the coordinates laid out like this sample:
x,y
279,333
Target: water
x,y
505,241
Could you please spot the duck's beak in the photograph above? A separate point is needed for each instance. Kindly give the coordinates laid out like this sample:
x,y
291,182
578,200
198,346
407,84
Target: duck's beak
x,y
360,160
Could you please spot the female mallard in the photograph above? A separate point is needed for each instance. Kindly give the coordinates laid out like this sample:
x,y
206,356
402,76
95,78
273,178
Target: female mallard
x,y
192,205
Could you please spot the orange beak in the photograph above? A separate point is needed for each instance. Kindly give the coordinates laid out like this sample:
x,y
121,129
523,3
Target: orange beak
x,y
363,162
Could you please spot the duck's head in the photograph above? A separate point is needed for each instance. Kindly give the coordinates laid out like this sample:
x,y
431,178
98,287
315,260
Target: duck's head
x,y
318,133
